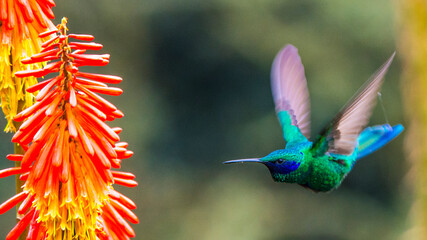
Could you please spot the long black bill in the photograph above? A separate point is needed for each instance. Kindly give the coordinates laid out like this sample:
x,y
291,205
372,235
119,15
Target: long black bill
x,y
242,160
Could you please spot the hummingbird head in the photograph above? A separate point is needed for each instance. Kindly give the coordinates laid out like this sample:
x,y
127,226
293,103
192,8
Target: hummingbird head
x,y
281,163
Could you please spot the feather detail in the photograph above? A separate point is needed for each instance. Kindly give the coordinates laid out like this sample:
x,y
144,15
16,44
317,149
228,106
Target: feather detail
x,y
341,135
375,137
289,87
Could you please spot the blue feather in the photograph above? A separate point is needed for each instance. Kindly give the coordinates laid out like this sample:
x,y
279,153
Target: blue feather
x,y
373,138
284,168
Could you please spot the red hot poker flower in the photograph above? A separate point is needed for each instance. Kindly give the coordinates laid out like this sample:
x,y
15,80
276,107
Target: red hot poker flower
x,y
70,149
21,21
17,14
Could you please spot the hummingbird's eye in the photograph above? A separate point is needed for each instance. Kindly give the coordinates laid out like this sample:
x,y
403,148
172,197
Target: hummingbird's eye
x,y
280,161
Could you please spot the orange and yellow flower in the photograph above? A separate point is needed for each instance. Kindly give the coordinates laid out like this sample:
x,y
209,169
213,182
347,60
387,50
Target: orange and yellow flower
x,y
21,21
70,150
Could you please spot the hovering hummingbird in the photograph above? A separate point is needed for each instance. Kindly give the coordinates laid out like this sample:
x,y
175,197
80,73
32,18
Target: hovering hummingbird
x,y
322,164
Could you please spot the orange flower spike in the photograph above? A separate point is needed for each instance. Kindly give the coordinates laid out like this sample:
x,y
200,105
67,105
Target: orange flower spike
x,y
4,207
52,189
11,171
83,37
71,148
26,10
45,91
53,108
80,187
86,101
101,156
88,107
40,16
52,46
69,192
124,175
36,231
117,130
100,125
85,140
3,10
73,99
59,146
87,82
103,172
40,85
28,73
34,119
83,45
11,14
20,23
118,114
19,31
47,33
105,90
105,105
114,229
47,9
115,163
100,77
26,113
101,141
124,211
122,199
66,158
27,135
26,204
30,155
40,56
20,227
97,178
71,121
112,212
43,161
124,155
122,144
24,176
49,42
15,157
46,129
120,150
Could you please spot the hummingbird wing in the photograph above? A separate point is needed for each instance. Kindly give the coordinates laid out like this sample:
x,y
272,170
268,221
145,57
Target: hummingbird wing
x,y
341,135
290,94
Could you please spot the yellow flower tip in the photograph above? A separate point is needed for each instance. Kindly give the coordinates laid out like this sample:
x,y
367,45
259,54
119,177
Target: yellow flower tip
x,y
12,89
63,25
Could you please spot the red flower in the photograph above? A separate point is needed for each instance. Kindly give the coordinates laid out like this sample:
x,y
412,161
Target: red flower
x,y
25,16
21,21
70,150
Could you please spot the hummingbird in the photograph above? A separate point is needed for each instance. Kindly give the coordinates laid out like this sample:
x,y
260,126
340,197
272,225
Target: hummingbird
x,y
321,164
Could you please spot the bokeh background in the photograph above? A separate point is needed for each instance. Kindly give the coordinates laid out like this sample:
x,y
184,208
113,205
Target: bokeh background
x,y
197,93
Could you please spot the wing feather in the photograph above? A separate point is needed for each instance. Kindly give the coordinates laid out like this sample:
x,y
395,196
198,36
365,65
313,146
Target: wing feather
x,y
341,135
289,87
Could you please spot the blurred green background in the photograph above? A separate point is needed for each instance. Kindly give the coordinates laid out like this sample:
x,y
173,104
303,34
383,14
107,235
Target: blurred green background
x,y
197,93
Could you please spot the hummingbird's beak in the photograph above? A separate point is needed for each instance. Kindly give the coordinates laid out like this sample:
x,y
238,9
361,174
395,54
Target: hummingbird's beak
x,y
242,160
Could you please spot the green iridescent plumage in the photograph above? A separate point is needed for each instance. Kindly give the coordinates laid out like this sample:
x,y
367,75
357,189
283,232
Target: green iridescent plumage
x,y
320,165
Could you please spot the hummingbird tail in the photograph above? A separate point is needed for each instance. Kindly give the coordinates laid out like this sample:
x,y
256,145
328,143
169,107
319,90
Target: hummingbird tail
x,y
375,137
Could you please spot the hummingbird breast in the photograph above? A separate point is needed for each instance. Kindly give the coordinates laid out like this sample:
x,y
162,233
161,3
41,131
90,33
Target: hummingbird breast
x,y
325,174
